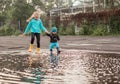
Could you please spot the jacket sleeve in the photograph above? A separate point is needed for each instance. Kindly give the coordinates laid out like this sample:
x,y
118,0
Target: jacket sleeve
x,y
58,37
28,27
48,34
42,27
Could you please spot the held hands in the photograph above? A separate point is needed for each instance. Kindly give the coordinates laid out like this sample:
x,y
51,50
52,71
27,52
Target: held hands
x,y
47,32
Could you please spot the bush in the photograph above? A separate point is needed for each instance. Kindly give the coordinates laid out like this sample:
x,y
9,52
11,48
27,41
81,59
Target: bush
x,y
6,30
100,30
70,30
115,25
17,32
86,30
97,30
62,31
2,31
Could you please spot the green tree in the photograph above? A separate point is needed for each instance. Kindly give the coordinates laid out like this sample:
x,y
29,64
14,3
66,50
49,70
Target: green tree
x,y
5,5
38,3
115,24
22,12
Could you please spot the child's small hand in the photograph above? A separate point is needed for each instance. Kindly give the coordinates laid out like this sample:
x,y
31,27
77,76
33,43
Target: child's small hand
x,y
47,33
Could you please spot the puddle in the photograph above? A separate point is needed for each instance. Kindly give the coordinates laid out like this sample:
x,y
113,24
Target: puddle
x,y
75,67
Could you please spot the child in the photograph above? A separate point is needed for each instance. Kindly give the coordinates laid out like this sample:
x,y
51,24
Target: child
x,y
35,26
54,38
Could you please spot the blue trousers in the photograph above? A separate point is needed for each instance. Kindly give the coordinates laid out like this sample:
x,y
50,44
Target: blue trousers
x,y
53,45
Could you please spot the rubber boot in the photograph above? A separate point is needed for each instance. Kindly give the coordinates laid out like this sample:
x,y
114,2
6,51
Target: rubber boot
x,y
38,50
30,48
51,52
58,51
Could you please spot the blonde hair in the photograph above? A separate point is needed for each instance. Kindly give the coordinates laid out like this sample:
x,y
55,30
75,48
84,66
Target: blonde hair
x,y
33,15
36,12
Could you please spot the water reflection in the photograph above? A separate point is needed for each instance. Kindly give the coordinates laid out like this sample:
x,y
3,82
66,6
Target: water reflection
x,y
105,68
17,69
75,67
36,78
54,60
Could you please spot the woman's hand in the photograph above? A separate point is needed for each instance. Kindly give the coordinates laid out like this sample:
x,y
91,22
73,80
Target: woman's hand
x,y
47,32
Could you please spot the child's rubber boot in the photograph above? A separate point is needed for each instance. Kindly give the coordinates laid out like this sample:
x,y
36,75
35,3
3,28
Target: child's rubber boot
x,y
30,48
59,52
38,50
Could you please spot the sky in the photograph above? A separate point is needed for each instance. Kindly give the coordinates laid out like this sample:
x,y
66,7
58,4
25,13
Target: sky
x,y
77,2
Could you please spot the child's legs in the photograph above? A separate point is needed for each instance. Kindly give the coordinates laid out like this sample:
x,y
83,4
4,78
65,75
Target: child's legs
x,y
32,38
52,45
54,59
51,48
38,39
57,47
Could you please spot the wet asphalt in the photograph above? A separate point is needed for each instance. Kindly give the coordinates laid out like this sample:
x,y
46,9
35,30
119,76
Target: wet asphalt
x,y
83,60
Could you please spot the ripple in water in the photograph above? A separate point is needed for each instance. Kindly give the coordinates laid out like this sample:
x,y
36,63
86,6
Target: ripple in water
x,y
75,67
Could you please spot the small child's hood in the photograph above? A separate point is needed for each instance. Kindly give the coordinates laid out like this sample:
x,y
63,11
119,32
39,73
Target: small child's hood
x,y
54,29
